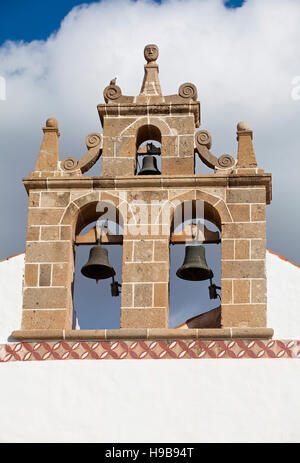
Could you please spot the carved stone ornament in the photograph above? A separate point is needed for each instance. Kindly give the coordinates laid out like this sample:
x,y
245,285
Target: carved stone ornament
x,y
203,144
151,52
94,143
112,92
188,90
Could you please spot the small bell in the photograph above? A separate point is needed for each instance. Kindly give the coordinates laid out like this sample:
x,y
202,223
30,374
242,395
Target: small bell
x,y
194,267
149,166
98,266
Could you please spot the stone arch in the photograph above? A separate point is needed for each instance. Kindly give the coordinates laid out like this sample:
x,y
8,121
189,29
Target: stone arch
x,y
215,209
88,208
156,122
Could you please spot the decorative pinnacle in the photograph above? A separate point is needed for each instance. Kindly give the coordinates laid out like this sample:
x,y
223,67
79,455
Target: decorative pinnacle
x,y
52,122
151,53
243,125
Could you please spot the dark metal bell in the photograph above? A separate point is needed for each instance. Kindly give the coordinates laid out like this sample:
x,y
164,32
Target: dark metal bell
x,y
97,267
149,166
194,267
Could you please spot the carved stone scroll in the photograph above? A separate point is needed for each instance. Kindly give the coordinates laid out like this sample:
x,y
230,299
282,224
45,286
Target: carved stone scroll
x,y
94,143
112,92
188,90
203,144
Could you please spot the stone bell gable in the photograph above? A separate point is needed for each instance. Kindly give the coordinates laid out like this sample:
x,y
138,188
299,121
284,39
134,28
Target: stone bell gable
x,y
63,201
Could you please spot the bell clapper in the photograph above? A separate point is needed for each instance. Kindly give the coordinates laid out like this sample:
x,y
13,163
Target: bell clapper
x,y
213,290
115,285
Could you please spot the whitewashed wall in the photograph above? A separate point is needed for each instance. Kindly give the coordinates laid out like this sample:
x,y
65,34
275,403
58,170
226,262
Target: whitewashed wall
x,y
223,400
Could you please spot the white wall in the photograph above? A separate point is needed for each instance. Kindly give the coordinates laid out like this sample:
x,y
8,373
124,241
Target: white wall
x,y
222,400
175,401
283,312
11,279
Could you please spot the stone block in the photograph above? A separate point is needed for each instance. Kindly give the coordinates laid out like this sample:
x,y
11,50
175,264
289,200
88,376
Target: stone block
x,y
127,295
241,291
244,230
182,125
258,291
143,250
33,233
45,275
178,166
258,249
118,167
258,212
125,147
242,249
127,251
243,269
240,212
226,291
31,275
144,318
246,195
60,275
66,232
55,199
146,272
49,233
169,146
227,249
113,127
44,298
243,315
161,250
48,251
34,199
44,319
143,295
161,295
186,146
45,216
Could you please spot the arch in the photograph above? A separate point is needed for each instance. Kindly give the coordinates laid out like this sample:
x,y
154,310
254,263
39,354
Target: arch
x,y
90,207
157,122
215,209
147,132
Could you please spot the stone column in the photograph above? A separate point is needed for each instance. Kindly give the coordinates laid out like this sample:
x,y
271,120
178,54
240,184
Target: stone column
x,y
243,259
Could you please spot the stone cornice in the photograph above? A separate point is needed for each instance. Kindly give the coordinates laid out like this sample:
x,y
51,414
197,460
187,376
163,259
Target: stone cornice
x,y
170,108
107,183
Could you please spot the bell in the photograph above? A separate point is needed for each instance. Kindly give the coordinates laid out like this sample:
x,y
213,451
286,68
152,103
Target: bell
x,y
194,267
97,267
149,166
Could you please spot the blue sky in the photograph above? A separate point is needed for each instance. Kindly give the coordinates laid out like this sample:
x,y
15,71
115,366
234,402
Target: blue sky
x,y
35,19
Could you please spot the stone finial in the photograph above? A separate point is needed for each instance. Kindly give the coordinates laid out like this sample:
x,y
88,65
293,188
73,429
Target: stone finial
x,y
52,122
48,156
151,53
151,85
243,125
246,155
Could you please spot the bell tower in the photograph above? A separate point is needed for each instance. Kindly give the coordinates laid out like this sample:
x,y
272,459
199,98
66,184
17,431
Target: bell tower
x,y
146,203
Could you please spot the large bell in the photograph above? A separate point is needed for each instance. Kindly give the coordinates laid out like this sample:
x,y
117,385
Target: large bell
x,y
149,166
194,267
97,267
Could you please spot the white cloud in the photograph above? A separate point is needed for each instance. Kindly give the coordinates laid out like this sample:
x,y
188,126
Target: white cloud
x,y
242,61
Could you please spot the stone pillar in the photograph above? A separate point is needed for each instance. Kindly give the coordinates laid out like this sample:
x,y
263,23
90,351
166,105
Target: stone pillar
x,y
243,259
49,263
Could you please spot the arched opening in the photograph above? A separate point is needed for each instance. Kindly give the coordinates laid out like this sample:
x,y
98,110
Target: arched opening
x,y
98,305
195,224
148,145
